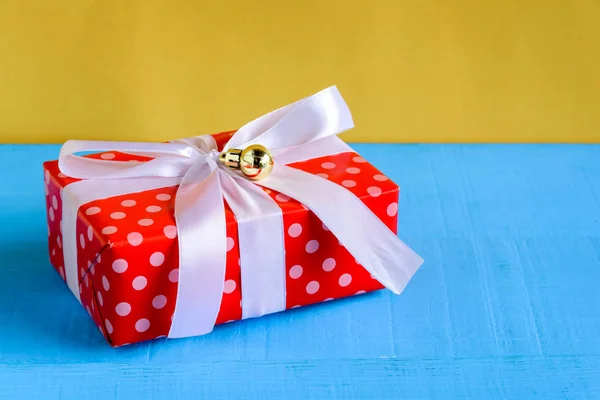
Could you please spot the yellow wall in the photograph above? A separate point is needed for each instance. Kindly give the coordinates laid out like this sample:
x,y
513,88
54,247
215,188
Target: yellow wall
x,y
411,70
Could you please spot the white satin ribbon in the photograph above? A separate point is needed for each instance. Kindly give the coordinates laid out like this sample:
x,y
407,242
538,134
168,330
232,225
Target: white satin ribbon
x,y
300,131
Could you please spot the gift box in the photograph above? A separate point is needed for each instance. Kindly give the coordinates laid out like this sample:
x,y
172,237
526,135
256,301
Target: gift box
x,y
143,267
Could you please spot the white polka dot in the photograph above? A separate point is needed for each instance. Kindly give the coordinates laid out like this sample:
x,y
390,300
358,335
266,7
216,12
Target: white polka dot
x,y
92,269
374,191
89,264
230,243
98,257
380,178
348,183
312,287
229,286
345,280
296,272
170,231
142,325
153,209
139,282
86,281
47,177
92,211
88,310
353,170
82,241
105,283
51,213
325,227
107,156
157,259
146,222
46,190
295,230
59,242
61,175
296,306
174,275
328,264
135,238
312,246
328,165
128,203
100,299
109,230
123,309
392,209
360,292
53,252
117,215
359,160
323,175
92,303
54,202
282,198
90,233
109,327
159,302
328,299
119,266
163,197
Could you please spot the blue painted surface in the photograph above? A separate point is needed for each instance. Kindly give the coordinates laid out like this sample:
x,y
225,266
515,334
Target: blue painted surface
x,y
506,305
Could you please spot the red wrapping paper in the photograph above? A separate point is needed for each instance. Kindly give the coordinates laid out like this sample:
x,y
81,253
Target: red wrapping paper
x,y
128,250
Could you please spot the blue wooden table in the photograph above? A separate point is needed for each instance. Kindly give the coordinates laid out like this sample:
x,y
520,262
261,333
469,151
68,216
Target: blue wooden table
x,y
507,304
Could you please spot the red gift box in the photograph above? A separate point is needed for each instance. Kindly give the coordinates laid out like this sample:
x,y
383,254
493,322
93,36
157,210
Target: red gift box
x,y
128,253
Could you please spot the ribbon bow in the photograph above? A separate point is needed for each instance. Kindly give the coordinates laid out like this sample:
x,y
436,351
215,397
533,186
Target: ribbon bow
x,y
300,131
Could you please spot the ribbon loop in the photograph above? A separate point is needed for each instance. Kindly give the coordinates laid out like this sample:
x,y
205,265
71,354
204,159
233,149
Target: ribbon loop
x,y
171,160
315,117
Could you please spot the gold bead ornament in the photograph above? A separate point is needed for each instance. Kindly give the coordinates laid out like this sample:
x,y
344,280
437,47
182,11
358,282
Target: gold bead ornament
x,y
255,161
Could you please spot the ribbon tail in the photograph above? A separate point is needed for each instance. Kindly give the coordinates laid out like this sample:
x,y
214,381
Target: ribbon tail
x,y
368,239
201,225
262,250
